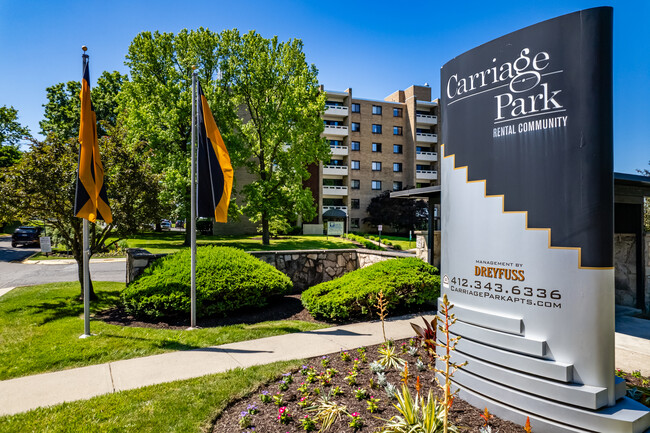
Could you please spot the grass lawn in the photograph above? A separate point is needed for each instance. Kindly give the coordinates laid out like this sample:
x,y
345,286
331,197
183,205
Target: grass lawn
x,y
170,242
40,328
182,406
401,241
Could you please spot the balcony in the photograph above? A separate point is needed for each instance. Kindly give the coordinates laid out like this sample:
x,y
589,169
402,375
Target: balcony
x,y
343,208
335,170
423,137
339,150
337,131
337,191
426,156
426,119
335,110
426,174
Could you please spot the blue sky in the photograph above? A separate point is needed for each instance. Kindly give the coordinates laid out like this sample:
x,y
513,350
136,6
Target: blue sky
x,y
373,47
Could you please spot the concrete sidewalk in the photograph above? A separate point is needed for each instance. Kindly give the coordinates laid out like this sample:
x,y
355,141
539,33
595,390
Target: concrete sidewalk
x,y
25,393
632,342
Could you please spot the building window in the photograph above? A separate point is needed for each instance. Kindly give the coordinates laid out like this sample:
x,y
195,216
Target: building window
x,y
354,223
355,145
397,130
376,166
336,143
376,147
356,108
397,148
397,167
354,165
376,129
376,109
355,184
376,184
354,203
397,112
397,186
356,126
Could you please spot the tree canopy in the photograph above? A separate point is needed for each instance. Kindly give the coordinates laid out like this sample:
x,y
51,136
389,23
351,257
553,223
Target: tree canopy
x,y
11,133
401,214
41,186
63,105
280,127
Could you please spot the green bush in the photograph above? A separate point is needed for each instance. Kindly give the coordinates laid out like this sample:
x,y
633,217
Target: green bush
x,y
408,284
366,244
227,279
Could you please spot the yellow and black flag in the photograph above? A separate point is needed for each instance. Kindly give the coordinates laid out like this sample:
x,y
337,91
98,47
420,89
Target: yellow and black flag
x,y
91,201
215,174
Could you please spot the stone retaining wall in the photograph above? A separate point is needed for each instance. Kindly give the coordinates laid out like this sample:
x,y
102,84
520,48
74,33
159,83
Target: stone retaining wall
x,y
625,273
306,268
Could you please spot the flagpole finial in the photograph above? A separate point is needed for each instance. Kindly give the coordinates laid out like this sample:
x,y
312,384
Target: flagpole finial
x,y
85,48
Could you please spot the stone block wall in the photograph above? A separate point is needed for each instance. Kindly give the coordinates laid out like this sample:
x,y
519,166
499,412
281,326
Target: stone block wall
x,y
625,269
306,268
137,259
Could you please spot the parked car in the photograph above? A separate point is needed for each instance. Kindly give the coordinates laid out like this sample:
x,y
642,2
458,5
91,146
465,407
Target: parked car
x,y
26,235
180,224
165,225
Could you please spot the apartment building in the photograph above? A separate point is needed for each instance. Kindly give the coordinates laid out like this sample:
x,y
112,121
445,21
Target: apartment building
x,y
377,145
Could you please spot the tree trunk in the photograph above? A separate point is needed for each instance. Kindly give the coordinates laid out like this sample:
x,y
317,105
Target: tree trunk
x,y
80,271
266,240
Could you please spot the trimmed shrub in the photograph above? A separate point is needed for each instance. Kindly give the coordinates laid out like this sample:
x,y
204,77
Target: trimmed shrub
x,y
227,279
408,284
364,242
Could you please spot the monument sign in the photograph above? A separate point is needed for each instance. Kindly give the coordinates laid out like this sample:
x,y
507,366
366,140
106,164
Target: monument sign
x,y
527,225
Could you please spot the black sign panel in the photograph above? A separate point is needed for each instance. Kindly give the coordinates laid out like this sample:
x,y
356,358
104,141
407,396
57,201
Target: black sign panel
x,y
531,113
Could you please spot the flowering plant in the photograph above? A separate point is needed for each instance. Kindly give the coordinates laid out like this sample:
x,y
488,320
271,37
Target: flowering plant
x,y
357,421
308,424
283,385
287,378
303,388
361,394
283,415
351,378
372,404
252,409
244,419
265,397
325,361
278,399
303,402
345,356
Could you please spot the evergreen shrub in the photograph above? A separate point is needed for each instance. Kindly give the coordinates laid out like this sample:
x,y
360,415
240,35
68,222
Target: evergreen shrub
x,y
408,285
227,279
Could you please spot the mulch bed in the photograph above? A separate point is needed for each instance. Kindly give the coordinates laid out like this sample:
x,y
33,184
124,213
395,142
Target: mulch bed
x,y
461,414
289,307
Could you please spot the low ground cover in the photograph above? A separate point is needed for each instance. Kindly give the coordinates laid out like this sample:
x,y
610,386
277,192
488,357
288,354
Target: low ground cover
x,y
406,284
40,328
181,406
402,242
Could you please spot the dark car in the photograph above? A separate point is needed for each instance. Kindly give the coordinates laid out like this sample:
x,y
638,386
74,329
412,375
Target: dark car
x,y
25,235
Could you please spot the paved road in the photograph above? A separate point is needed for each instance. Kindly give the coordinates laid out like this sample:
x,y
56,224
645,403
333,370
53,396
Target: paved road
x,y
15,274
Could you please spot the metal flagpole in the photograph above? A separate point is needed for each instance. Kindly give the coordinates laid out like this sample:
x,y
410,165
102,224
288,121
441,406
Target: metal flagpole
x,y
193,204
86,249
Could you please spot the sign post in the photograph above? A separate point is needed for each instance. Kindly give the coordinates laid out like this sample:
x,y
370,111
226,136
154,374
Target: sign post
x,y
527,223
379,227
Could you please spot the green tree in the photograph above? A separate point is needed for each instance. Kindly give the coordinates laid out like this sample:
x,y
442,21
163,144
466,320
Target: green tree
x,y
401,214
280,126
63,105
157,102
11,132
42,186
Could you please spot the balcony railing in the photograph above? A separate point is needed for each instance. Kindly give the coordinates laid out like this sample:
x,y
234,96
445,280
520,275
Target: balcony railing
x,y
343,208
339,150
336,110
335,190
426,174
337,170
426,156
426,137
340,131
426,119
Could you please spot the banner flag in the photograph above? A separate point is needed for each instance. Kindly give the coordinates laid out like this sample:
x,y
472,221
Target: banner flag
x,y
215,173
91,201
